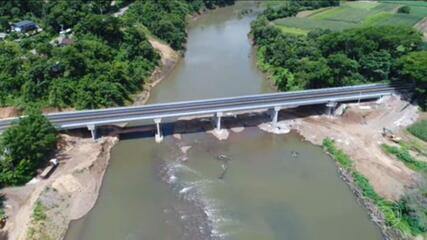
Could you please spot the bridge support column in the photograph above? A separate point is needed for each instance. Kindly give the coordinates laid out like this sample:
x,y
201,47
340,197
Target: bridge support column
x,y
159,135
92,129
275,116
331,106
218,121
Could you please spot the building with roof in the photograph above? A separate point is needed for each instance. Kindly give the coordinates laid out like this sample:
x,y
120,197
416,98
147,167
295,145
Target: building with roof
x,y
24,26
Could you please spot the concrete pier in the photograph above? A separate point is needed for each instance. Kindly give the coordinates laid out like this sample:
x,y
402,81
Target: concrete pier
x,y
218,121
92,129
331,106
159,135
275,116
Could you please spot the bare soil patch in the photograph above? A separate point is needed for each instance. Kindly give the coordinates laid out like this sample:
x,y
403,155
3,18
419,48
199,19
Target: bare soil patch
x,y
358,133
68,194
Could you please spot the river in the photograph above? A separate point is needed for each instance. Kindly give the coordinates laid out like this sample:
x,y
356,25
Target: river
x,y
193,186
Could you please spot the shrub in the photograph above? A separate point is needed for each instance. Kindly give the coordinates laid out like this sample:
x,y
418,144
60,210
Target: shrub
x,y
404,9
403,155
39,212
337,154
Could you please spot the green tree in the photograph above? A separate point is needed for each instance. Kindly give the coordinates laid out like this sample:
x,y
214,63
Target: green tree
x,y
25,147
404,9
342,68
413,68
376,66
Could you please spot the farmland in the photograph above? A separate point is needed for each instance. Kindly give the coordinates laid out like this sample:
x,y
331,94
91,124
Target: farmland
x,y
355,14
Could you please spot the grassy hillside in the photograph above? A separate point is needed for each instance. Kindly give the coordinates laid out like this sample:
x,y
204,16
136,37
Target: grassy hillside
x,y
356,14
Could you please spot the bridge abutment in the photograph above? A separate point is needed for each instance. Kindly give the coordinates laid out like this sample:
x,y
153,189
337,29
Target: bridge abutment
x,y
159,135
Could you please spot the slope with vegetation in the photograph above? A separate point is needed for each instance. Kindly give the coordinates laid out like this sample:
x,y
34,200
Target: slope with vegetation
x,y
107,60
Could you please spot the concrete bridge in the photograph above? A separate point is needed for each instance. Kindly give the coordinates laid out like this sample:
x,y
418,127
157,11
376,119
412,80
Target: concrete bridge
x,y
274,102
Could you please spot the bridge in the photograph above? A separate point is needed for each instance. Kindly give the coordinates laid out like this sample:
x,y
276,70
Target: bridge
x,y
274,102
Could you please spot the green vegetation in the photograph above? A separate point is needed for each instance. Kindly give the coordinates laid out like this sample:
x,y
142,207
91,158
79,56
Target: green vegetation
x,y
321,58
2,212
39,212
412,67
358,14
419,130
312,24
404,9
408,215
338,154
107,60
25,147
296,31
403,155
38,229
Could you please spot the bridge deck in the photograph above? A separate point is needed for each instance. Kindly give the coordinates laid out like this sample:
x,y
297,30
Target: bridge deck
x,y
108,116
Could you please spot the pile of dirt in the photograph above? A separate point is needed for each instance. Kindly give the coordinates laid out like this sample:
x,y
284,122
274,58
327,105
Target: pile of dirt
x,y
8,112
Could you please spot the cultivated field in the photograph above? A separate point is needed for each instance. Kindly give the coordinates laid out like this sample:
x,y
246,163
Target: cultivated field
x,y
355,14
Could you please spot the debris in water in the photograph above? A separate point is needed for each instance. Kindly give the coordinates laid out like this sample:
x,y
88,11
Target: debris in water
x,y
295,154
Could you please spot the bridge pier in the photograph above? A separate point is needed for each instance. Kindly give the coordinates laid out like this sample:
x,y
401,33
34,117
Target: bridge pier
x,y
159,135
331,106
218,121
275,115
92,129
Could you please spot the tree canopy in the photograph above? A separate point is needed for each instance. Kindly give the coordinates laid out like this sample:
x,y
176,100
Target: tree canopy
x,y
326,59
25,147
107,59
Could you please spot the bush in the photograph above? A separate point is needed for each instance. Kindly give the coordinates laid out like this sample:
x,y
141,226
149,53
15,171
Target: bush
x,y
404,9
403,155
25,147
419,129
337,154
39,212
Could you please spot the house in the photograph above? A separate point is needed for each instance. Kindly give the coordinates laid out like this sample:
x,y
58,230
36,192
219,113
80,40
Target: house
x,y
24,26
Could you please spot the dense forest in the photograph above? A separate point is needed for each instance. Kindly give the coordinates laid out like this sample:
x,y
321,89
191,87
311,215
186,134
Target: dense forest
x,y
326,59
105,58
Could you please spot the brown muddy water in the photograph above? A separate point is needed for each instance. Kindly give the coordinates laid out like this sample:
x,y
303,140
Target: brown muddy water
x,y
254,185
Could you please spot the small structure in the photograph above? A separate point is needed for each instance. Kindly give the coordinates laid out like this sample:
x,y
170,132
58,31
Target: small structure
x,y
2,36
24,26
53,163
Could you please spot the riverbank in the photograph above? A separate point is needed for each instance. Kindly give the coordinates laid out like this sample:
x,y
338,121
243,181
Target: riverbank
x,y
69,193
168,61
358,133
73,189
